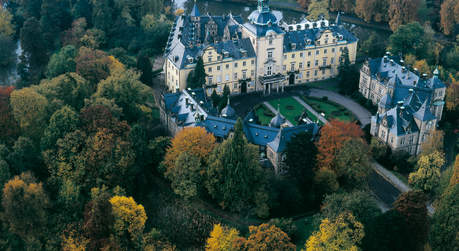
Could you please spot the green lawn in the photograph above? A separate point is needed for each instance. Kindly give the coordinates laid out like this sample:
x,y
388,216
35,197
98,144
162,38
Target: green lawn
x,y
329,84
305,227
264,114
289,108
330,109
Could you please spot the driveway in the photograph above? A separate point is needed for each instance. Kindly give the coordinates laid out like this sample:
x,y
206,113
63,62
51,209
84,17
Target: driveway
x,y
362,114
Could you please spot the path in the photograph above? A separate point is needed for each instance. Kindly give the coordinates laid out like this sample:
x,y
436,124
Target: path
x,y
270,107
360,112
310,109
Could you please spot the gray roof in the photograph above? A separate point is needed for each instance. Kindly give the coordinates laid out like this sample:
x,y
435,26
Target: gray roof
x,y
228,111
278,120
195,11
279,144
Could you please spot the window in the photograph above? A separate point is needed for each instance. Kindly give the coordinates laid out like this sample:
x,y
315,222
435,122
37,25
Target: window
x,y
383,134
227,66
301,54
219,79
324,61
285,56
235,65
218,67
244,74
317,52
315,73
244,63
332,60
309,64
402,141
234,85
317,62
323,72
309,53
252,73
269,71
307,74
325,51
235,76
284,67
227,77
209,58
293,55
252,62
292,66
210,69
270,41
333,50
270,54
300,65
210,80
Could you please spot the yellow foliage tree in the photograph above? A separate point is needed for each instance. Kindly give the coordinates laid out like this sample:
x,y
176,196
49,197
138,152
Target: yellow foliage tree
x,y
317,8
434,143
267,238
452,94
6,26
222,238
342,234
129,216
455,177
73,241
195,141
422,66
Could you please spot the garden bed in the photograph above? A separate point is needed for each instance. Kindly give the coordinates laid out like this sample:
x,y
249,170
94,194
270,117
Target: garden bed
x,y
264,114
330,109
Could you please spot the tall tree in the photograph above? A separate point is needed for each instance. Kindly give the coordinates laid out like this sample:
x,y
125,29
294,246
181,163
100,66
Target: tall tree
x,y
445,223
233,173
409,39
427,177
402,12
223,238
452,94
63,121
333,136
268,237
198,75
449,16
372,10
30,110
55,17
93,65
25,206
342,233
98,221
145,67
62,62
186,177
318,8
412,205
8,125
7,28
346,6
352,164
454,180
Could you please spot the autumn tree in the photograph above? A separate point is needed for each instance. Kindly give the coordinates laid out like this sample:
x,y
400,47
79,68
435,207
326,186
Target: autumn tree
x,y
63,121
233,172
30,110
449,16
452,94
372,10
402,12
267,237
409,39
194,141
342,233
25,204
352,163
346,6
427,176
129,223
186,177
72,35
445,222
454,180
412,205
333,136
223,238
98,221
433,143
304,3
7,28
92,65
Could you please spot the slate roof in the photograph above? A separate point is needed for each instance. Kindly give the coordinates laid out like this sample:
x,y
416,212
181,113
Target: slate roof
x,y
228,111
284,135
400,121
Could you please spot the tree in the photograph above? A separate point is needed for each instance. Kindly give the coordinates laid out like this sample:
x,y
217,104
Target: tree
x,y
333,136
372,10
63,121
342,5
62,61
130,219
359,203
72,35
452,95
427,177
157,148
233,172
25,206
402,12
194,141
186,176
267,237
93,38
55,16
8,125
434,143
222,238
98,221
454,180
304,3
342,233
102,15
422,66
412,205
7,52
198,75
409,39
449,13
352,163
318,8
24,156
145,67
445,222
301,160
30,110
92,65
128,93
7,28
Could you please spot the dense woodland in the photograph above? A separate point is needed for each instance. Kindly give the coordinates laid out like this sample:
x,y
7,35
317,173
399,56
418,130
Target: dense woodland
x,y
85,165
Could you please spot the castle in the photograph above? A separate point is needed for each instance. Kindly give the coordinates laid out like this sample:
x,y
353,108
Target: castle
x,y
409,104
263,54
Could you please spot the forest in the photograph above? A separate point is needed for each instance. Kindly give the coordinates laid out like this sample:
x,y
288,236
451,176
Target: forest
x,y
86,165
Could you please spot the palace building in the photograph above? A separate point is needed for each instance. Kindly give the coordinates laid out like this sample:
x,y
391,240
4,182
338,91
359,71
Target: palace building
x,y
410,104
263,54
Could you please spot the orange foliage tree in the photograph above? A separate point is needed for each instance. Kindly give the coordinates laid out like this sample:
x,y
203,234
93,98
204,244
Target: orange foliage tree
x,y
268,237
449,15
333,135
195,141
455,177
8,125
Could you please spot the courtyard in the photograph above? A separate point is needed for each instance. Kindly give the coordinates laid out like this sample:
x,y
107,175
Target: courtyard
x,y
331,109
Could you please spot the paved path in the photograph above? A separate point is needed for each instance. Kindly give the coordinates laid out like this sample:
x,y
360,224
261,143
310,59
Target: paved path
x,y
310,109
360,112
270,107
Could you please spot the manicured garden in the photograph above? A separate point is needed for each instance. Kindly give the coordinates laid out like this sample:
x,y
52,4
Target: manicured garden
x,y
330,109
264,114
289,108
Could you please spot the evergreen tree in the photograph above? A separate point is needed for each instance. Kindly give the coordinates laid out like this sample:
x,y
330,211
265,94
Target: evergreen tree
x,y
198,77
145,67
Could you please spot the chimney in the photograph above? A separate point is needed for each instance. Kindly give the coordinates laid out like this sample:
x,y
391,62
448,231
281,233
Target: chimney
x,y
392,62
386,59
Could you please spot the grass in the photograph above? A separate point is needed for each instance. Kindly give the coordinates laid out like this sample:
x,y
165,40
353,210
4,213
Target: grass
x,y
261,111
289,108
330,109
329,84
400,176
305,227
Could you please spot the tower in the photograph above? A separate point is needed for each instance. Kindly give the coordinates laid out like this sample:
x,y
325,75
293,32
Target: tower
x,y
263,6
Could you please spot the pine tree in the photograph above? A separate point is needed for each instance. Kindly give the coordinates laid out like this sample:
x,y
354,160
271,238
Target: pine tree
x,y
145,67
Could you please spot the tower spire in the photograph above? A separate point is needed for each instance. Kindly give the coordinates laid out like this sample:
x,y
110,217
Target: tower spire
x,y
263,6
